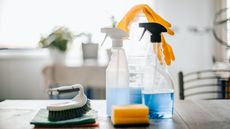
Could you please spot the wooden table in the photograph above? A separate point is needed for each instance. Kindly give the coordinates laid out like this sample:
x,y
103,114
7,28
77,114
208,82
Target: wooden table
x,y
199,114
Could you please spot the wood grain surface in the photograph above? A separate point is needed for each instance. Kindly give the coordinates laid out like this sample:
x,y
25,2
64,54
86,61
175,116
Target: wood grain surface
x,y
199,114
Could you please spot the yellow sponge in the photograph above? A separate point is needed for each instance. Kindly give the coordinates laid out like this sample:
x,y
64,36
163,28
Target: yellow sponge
x,y
130,114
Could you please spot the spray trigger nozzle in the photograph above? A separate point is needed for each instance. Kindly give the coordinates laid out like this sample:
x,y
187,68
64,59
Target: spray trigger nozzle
x,y
103,41
117,35
155,29
142,34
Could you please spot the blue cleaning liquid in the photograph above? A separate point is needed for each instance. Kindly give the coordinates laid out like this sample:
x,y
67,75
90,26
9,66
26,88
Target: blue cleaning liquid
x,y
116,96
135,95
160,104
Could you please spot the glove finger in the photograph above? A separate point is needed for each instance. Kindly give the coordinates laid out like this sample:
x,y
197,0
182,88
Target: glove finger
x,y
165,51
171,53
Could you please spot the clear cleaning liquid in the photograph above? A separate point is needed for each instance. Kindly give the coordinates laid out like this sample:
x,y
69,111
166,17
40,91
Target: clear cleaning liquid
x,y
160,104
116,96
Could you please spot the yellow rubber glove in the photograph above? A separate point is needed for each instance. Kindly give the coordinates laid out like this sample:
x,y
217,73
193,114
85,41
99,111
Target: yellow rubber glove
x,y
167,51
151,17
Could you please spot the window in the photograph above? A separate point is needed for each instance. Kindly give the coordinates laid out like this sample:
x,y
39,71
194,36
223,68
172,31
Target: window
x,y
22,22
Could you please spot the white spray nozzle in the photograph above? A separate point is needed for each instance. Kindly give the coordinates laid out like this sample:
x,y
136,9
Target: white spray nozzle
x,y
117,35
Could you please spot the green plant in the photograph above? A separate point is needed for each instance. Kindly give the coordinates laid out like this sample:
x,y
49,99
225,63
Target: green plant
x,y
58,39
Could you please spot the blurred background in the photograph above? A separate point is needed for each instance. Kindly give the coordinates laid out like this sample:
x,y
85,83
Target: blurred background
x,y
27,71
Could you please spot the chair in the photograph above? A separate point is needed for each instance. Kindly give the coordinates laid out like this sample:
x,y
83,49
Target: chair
x,y
212,83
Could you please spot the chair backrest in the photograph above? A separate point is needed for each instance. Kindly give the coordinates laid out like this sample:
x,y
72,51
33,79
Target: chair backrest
x,y
214,83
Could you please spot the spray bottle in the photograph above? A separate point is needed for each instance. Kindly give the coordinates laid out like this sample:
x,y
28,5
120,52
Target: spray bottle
x,y
117,74
158,92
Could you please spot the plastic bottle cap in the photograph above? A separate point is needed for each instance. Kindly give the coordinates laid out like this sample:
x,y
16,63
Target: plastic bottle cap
x,y
117,36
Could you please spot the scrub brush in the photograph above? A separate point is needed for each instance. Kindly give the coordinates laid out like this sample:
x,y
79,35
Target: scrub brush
x,y
78,106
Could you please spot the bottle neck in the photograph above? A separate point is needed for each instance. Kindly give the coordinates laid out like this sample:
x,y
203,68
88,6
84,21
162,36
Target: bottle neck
x,y
117,43
151,54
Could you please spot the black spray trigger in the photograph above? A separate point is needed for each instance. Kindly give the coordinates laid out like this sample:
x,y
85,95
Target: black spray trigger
x,y
155,29
142,34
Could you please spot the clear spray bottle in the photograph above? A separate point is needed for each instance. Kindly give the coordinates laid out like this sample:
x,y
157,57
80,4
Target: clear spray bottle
x,y
117,74
158,91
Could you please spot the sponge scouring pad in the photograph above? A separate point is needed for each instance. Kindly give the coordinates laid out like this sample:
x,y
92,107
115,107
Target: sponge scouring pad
x,y
130,115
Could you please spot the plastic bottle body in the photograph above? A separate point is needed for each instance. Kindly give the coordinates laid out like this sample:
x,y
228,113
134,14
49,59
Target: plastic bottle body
x,y
135,64
158,95
117,82
158,91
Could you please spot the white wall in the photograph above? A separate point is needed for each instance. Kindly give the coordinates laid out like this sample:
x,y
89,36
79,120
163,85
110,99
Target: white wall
x,y
193,51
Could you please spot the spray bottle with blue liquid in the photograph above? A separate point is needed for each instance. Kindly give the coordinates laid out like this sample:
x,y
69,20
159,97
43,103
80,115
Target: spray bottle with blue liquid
x,y
117,73
158,91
